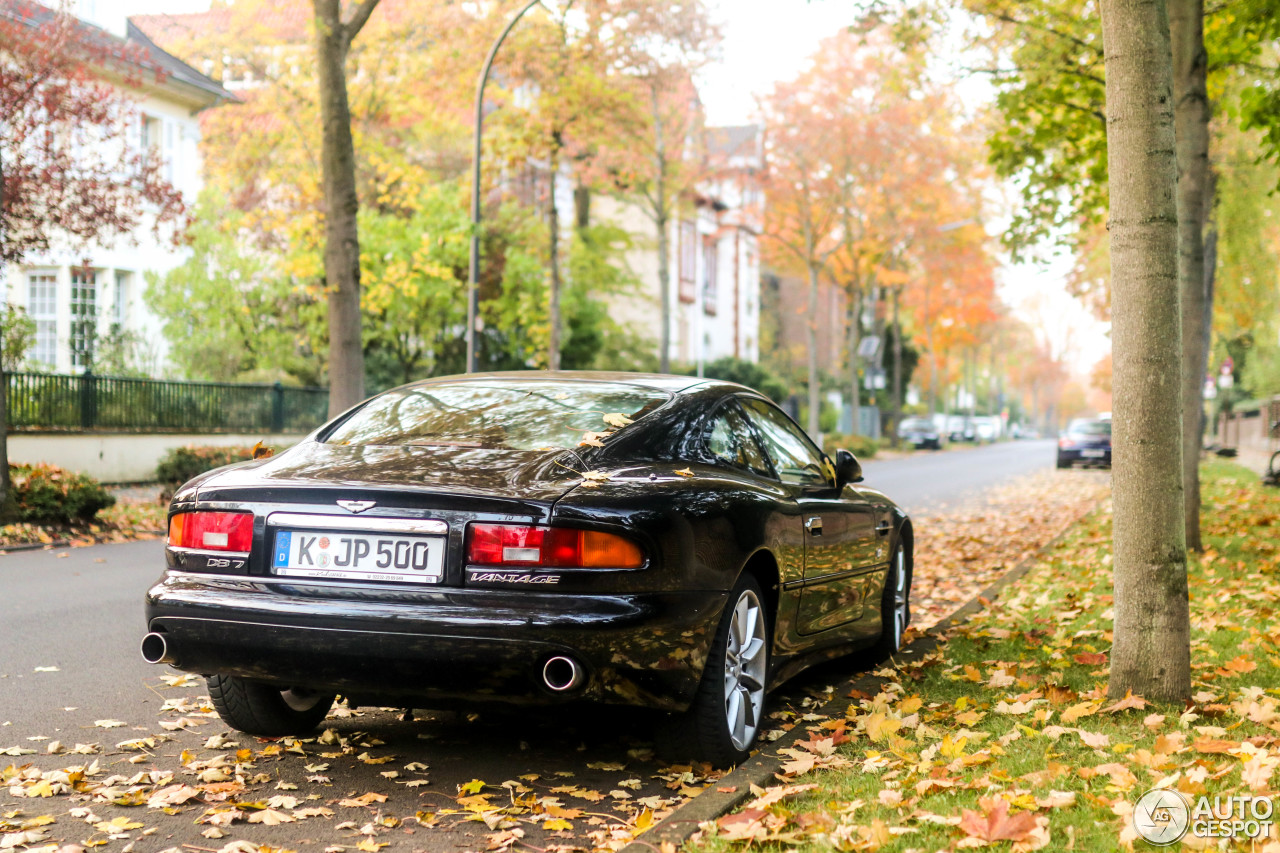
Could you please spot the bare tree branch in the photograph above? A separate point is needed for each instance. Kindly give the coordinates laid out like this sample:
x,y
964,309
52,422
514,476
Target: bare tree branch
x,y
361,17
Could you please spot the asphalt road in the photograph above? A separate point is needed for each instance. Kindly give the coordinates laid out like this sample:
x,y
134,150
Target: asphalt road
x,y
71,620
927,482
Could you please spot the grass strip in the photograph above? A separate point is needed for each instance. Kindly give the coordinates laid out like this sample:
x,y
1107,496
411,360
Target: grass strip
x,y
1003,737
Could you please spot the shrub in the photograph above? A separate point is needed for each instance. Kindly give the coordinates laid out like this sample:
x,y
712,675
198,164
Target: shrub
x,y
859,445
182,463
47,494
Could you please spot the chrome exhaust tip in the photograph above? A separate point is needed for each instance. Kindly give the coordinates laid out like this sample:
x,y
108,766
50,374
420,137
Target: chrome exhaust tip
x,y
562,674
156,649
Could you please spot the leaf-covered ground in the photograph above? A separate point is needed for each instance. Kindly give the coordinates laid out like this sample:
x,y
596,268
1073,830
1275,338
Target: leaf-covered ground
x,y
133,516
1004,737
373,782
962,551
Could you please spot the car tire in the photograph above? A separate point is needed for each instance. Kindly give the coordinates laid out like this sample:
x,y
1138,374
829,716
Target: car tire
x,y
1063,463
895,609
727,712
265,711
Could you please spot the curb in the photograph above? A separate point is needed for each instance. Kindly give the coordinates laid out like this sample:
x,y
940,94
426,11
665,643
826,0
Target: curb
x,y
760,768
67,543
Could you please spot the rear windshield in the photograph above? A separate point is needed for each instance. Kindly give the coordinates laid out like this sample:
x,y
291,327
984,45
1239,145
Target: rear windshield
x,y
1090,427
513,415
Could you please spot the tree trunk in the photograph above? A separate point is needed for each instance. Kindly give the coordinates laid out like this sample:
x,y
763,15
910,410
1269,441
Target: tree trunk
x,y
814,397
1210,274
855,342
1191,118
342,242
662,221
897,365
1151,650
5,484
553,225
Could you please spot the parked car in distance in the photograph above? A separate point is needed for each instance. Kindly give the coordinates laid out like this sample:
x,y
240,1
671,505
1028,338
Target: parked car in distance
x,y
1087,441
987,428
960,428
532,538
920,433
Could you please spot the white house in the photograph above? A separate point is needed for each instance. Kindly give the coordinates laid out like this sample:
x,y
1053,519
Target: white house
x,y
54,288
715,257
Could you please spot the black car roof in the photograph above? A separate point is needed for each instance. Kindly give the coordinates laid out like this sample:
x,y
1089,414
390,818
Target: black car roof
x,y
669,383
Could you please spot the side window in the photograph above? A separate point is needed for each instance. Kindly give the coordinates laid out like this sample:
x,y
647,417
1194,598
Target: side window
x,y
731,440
794,456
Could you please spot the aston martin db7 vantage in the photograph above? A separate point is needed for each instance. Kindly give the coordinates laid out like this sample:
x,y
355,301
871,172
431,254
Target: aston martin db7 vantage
x,y
532,538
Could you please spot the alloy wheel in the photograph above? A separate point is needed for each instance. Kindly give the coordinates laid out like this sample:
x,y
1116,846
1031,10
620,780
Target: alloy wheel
x,y
899,597
746,658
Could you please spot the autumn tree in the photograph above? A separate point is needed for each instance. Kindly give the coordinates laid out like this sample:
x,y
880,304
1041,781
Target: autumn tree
x,y
1191,120
69,174
646,156
229,312
1047,63
565,96
802,212
341,203
408,100
1151,651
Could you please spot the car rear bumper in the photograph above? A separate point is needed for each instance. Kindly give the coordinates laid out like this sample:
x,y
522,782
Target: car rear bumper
x,y
439,644
1096,456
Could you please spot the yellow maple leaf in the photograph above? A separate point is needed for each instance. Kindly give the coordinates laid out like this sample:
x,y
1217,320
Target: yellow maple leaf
x,y
1075,712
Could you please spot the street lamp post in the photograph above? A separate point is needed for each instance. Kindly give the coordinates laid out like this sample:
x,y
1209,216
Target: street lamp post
x,y
473,277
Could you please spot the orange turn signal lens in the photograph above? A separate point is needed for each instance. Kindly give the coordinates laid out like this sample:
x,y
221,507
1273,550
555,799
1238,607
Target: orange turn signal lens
x,y
607,550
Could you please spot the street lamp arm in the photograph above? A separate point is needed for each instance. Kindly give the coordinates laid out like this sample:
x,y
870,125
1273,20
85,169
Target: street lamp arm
x,y
473,277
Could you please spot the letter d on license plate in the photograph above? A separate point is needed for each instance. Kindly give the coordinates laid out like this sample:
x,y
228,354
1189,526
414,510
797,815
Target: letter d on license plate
x,y
358,556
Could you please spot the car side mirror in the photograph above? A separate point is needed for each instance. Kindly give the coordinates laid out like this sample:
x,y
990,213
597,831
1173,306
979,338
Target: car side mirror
x,y
848,469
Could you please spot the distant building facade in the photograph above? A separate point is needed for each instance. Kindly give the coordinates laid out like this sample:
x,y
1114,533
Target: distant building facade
x,y
714,272
70,302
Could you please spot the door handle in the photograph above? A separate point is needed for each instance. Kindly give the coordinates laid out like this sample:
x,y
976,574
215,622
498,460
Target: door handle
x,y
883,528
814,526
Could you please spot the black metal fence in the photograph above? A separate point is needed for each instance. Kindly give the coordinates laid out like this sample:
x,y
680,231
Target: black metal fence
x,y
45,401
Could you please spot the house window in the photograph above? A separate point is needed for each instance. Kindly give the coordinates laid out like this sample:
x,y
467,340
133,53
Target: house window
x,y
169,152
710,264
84,317
150,133
42,307
688,261
120,310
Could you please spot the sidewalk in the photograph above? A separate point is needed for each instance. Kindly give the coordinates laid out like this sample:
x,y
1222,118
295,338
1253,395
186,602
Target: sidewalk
x,y
1254,460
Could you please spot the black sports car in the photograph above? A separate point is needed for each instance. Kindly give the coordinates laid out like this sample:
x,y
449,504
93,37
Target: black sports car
x,y
659,541
1087,441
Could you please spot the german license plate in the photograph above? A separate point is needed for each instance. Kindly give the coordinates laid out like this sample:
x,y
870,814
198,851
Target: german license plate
x,y
357,556
1093,454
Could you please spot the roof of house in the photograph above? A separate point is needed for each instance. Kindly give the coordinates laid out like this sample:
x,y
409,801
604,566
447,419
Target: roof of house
x,y
286,20
742,140
135,50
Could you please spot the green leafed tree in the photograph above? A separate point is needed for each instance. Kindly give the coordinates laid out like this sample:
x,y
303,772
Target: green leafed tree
x,y
230,313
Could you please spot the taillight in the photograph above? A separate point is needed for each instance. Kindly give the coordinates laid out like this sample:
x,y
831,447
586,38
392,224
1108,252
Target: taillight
x,y
212,531
1066,442
550,547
